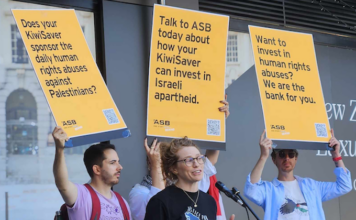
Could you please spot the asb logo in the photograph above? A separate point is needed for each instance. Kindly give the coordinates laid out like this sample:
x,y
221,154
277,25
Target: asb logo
x,y
161,122
69,122
278,127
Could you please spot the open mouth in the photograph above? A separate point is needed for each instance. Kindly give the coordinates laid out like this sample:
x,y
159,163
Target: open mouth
x,y
197,172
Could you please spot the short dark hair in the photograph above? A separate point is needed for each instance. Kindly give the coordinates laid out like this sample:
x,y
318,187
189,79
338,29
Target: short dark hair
x,y
94,155
274,152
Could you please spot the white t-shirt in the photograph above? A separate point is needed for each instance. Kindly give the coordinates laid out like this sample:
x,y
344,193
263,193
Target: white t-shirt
x,y
294,206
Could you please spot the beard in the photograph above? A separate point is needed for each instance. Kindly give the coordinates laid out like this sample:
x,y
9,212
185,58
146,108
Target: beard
x,y
109,179
290,168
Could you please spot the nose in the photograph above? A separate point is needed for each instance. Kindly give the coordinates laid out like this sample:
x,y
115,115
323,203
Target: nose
x,y
195,162
120,167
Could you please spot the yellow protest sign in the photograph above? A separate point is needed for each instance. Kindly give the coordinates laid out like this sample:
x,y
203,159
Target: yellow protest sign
x,y
187,74
69,77
290,88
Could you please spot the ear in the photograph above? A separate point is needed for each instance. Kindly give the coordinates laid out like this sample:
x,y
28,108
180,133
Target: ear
x,y
174,170
274,161
96,170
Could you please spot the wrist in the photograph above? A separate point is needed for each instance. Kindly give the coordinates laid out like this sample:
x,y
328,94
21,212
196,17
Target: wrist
x,y
263,158
156,166
335,154
59,149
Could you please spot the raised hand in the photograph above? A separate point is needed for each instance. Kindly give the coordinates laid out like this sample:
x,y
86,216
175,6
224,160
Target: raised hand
x,y
60,137
265,145
153,153
334,143
225,108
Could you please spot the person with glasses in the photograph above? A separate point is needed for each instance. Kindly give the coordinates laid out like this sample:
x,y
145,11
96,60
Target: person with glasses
x,y
155,181
182,163
289,196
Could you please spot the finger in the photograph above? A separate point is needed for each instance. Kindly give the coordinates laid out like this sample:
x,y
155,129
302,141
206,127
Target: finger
x,y
332,133
227,113
262,135
266,140
158,146
59,131
59,128
153,145
226,97
224,108
332,143
56,129
146,145
269,142
224,102
232,217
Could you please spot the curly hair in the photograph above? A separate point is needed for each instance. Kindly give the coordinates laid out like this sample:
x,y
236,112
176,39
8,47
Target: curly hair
x,y
169,156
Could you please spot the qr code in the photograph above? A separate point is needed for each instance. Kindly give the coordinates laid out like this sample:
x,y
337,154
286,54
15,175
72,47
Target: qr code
x,y
321,130
111,116
213,127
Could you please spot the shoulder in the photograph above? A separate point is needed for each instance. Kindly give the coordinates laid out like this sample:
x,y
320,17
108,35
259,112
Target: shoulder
x,y
82,190
166,194
206,196
305,180
84,199
209,201
139,189
209,168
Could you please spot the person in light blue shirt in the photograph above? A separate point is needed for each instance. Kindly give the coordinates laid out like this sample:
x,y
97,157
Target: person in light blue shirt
x,y
289,196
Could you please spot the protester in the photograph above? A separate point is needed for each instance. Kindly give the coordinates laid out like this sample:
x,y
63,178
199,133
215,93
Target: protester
x,y
154,181
182,163
289,196
103,166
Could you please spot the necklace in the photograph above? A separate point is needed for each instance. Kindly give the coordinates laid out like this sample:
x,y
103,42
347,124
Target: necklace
x,y
195,203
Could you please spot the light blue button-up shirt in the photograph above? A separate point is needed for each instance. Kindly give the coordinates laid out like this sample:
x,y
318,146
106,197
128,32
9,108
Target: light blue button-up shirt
x,y
270,195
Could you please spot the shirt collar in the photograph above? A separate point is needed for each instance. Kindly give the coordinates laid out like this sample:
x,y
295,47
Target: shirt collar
x,y
276,182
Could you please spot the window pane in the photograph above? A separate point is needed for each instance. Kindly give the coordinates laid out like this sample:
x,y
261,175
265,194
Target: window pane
x,y
238,44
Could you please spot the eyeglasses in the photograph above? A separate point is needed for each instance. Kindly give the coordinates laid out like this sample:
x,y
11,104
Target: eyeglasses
x,y
283,154
189,161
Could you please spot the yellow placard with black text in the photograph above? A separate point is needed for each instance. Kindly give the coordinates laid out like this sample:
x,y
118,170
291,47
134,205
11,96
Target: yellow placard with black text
x,y
187,74
289,84
70,79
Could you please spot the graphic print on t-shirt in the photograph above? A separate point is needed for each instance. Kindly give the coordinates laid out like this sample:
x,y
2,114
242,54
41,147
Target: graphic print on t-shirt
x,y
110,208
294,206
290,206
110,211
192,214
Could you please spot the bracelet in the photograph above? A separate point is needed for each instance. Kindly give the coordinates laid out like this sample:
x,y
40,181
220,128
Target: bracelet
x,y
337,158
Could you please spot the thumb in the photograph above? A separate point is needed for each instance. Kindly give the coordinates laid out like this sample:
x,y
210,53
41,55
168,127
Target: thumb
x,y
232,217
